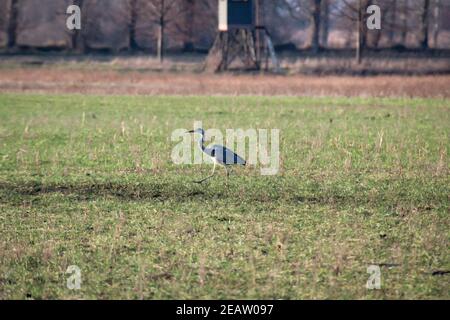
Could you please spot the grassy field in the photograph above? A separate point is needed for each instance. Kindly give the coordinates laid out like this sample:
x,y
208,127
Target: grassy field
x,y
88,181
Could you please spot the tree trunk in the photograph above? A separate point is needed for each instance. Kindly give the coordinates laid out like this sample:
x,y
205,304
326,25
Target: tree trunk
x,y
425,24
404,32
315,41
257,34
377,34
362,28
12,26
77,35
359,33
393,19
133,43
325,23
160,45
437,18
189,25
365,30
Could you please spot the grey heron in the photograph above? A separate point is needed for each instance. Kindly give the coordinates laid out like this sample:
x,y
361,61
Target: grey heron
x,y
219,154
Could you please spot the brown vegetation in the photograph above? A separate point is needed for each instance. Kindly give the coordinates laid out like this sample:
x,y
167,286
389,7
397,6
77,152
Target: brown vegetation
x,y
55,80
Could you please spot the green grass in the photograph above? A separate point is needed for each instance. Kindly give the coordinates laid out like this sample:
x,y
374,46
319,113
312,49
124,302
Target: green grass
x,y
89,181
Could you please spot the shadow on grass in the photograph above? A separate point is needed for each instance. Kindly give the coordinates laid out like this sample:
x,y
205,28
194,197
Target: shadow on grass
x,y
287,192
155,191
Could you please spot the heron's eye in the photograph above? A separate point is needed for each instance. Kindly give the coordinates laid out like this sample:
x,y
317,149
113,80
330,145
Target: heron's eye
x,y
213,152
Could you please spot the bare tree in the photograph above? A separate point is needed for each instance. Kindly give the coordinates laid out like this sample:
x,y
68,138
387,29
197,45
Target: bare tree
x,y
163,14
310,10
325,15
12,23
400,14
425,24
171,22
132,26
77,35
393,20
362,30
390,16
427,14
355,12
437,18
191,14
404,19
315,23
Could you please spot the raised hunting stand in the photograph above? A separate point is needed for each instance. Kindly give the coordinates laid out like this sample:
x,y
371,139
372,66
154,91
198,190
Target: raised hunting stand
x,y
241,34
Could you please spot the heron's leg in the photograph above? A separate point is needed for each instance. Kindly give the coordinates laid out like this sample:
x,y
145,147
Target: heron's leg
x,y
228,174
214,169
228,171
209,177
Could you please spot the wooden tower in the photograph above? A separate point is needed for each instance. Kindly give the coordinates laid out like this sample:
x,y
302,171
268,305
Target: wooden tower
x,y
241,35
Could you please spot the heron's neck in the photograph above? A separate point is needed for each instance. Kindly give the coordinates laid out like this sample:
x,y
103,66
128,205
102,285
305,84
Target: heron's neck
x,y
201,142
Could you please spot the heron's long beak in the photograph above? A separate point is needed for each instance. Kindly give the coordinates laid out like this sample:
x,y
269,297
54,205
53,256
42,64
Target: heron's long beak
x,y
190,131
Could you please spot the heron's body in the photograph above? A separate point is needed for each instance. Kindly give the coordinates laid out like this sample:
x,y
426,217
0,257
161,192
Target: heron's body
x,y
219,154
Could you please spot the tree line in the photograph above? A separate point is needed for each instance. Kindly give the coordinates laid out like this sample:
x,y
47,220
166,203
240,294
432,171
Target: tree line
x,y
191,24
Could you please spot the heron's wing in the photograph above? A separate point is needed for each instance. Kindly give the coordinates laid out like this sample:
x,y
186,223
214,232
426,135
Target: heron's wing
x,y
210,151
225,156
